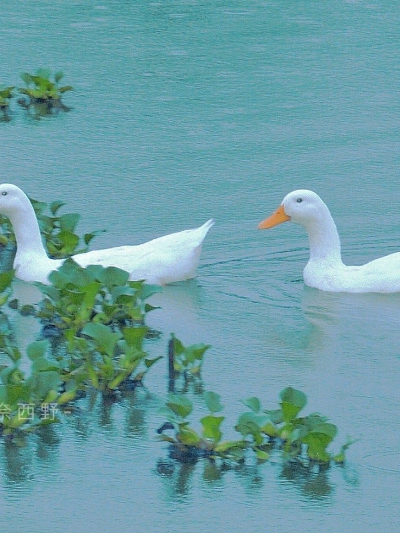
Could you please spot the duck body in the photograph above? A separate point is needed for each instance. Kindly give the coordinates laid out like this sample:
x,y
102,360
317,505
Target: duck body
x,y
167,259
325,269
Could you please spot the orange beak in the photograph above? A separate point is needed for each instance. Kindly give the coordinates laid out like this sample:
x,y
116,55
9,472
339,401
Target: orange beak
x,y
276,218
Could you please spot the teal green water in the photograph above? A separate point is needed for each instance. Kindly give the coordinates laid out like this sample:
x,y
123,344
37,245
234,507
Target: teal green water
x,y
187,110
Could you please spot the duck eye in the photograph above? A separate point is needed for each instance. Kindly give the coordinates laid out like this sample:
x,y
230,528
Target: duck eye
x,y
4,193
299,200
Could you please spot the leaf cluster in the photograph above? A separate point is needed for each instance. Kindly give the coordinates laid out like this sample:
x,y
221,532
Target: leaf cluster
x,y
300,438
58,230
6,93
187,359
23,399
101,315
39,87
206,443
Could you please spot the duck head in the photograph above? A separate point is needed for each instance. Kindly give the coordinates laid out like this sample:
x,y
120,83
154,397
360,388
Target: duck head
x,y
301,206
12,199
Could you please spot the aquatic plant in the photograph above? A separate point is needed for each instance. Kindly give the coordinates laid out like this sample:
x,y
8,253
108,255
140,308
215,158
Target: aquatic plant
x,y
186,440
6,93
95,294
108,360
40,89
7,344
29,402
100,314
58,230
185,362
302,439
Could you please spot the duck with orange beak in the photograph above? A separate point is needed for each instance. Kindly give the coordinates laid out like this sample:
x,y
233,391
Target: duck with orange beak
x,y
325,269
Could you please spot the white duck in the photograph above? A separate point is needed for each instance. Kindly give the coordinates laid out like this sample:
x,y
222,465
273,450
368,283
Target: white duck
x,y
171,258
325,269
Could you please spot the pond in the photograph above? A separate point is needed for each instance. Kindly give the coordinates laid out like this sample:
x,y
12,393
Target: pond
x,y
183,111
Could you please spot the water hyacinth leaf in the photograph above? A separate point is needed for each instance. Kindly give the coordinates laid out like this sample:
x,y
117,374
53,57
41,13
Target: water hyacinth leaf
x,y
41,364
69,221
147,290
177,345
253,403
211,427
6,279
150,362
66,88
11,375
195,351
149,307
90,292
326,431
58,76
188,436
179,404
212,401
69,241
292,402
55,206
43,73
228,445
104,337
134,336
42,383
112,276
314,420
298,433
89,236
37,349
171,416
27,78
275,415
262,455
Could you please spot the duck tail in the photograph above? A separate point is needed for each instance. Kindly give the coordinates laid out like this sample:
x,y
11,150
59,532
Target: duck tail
x,y
207,226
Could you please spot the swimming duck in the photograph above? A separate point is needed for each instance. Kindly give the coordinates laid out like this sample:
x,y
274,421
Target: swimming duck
x,y
171,258
325,269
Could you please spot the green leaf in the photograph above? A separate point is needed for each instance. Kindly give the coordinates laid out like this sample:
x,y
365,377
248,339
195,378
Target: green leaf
x,y
69,221
55,206
44,73
261,455
58,76
134,336
104,337
66,88
292,402
113,276
37,349
6,279
27,78
253,403
212,401
211,425
188,436
179,404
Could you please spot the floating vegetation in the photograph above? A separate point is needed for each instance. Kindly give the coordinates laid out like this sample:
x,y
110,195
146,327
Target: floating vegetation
x,y
185,362
43,97
301,439
191,443
6,93
58,230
